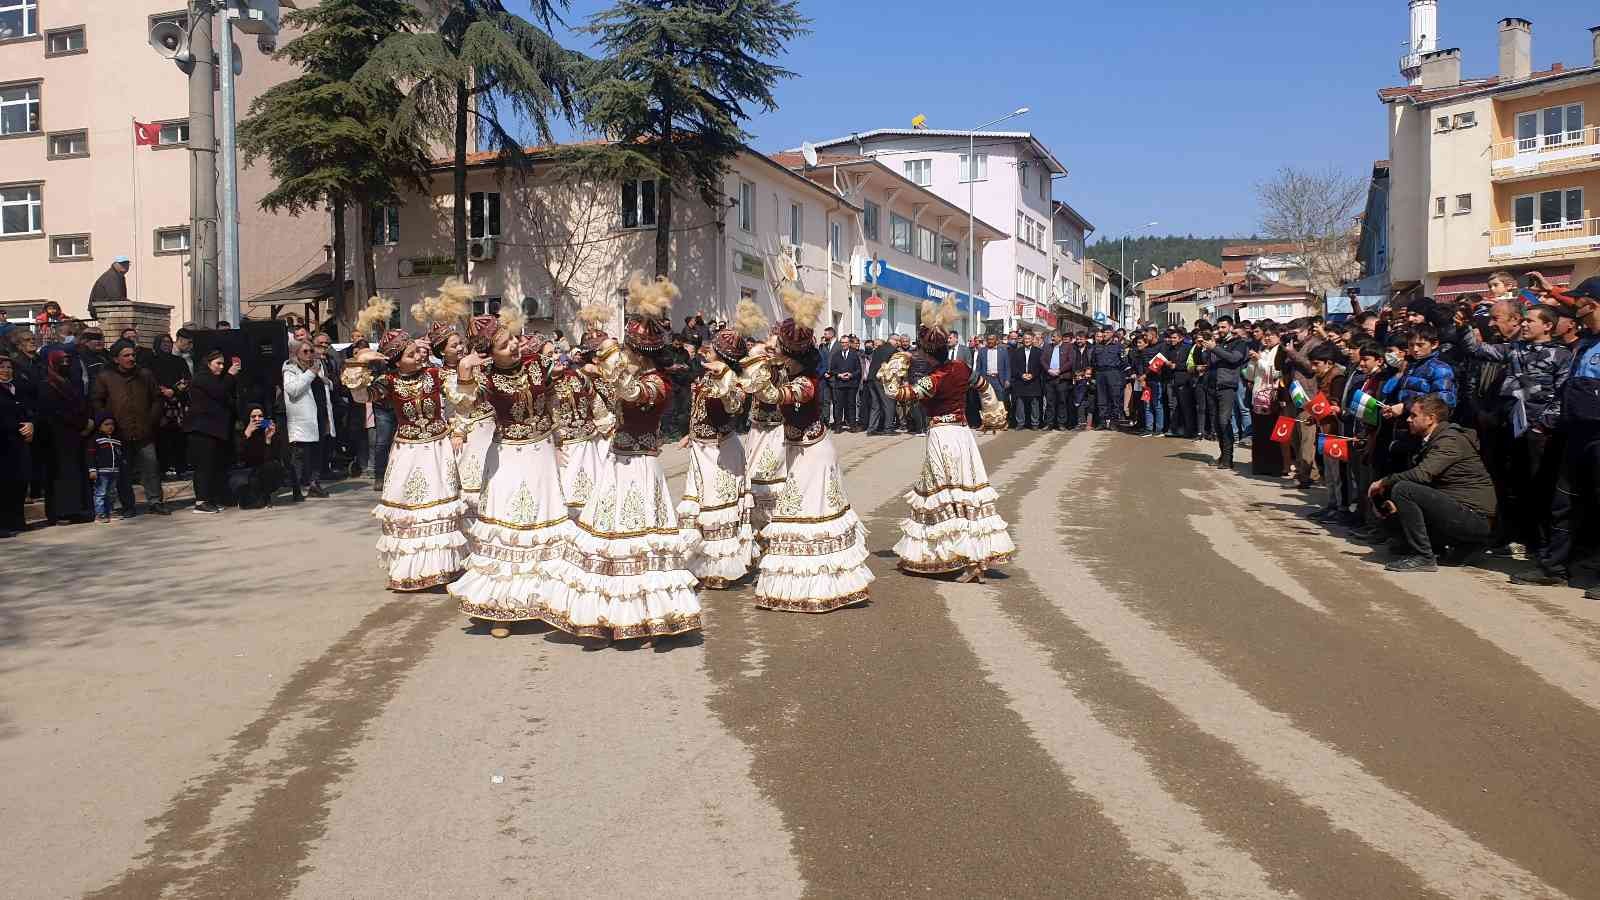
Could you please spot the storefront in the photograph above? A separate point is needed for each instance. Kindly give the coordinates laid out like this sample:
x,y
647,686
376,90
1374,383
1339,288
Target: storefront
x,y
902,294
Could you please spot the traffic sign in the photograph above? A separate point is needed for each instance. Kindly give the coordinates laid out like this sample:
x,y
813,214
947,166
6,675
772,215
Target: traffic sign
x,y
872,307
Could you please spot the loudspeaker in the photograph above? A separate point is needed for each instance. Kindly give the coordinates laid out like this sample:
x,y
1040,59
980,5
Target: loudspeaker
x,y
262,349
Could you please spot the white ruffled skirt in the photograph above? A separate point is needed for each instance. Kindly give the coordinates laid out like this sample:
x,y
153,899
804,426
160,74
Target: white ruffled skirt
x,y
625,574
421,511
470,462
581,462
522,528
953,523
816,548
765,461
715,510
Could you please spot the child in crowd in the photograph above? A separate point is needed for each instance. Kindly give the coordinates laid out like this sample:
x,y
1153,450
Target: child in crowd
x,y
105,463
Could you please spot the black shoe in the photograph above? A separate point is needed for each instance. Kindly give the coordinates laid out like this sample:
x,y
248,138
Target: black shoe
x,y
160,509
1592,594
1368,535
1459,554
1540,577
1412,564
1324,514
316,491
207,507
297,498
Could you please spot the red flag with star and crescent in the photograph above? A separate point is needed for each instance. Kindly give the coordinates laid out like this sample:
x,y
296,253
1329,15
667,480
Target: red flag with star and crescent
x,y
146,135
1321,407
1283,430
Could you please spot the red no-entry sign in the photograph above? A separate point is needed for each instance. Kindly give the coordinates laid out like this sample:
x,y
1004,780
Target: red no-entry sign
x,y
872,307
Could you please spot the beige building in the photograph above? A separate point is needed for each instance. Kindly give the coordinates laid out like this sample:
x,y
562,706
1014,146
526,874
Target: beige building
x,y
1497,172
75,191
1069,292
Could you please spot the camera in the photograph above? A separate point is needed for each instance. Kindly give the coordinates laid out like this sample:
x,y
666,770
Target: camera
x,y
267,43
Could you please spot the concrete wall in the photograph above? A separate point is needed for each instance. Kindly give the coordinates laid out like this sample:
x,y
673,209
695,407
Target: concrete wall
x,y
1408,193
1458,164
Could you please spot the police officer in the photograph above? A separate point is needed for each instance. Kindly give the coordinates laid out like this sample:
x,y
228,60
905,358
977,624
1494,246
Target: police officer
x,y
1109,359
1226,352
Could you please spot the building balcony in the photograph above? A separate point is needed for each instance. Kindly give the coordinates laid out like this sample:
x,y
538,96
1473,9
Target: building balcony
x,y
1566,151
1574,238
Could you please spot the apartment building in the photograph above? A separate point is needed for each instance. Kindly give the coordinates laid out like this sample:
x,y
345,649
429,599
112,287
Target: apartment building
x,y
1496,172
75,190
1107,291
553,244
904,243
1069,297
1010,182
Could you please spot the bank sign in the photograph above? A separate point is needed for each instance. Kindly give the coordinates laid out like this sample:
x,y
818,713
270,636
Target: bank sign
x,y
905,283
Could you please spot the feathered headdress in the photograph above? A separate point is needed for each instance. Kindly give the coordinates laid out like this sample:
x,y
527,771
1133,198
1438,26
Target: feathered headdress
x,y
593,318
732,343
511,318
393,343
374,318
749,320
796,333
646,327
452,305
933,331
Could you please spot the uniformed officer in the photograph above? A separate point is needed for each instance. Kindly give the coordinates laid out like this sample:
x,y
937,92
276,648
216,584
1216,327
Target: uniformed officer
x,y
1110,371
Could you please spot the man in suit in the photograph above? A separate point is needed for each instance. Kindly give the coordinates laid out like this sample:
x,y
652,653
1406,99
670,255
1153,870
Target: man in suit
x,y
1082,366
825,348
1027,381
885,417
845,371
994,366
1059,408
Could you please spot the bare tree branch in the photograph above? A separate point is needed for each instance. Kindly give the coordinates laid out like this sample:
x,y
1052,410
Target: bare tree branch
x,y
1315,212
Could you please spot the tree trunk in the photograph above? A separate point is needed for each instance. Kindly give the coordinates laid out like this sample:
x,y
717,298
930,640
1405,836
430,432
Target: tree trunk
x,y
663,225
366,274
460,172
339,311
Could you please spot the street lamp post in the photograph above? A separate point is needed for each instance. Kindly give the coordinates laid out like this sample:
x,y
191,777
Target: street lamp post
x,y
1124,273
972,224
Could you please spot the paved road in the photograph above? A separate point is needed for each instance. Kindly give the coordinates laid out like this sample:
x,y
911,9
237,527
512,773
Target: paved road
x,y
1180,688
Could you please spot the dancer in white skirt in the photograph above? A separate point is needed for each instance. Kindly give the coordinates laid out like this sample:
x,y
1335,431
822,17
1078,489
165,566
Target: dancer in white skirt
x,y
625,574
765,470
421,509
472,426
584,424
815,558
953,526
715,509
522,525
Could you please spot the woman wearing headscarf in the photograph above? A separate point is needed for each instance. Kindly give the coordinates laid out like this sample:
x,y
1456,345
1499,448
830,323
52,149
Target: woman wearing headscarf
x,y
16,461
209,425
173,377
65,425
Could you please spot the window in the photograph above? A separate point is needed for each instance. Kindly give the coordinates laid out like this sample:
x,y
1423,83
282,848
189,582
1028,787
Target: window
x,y
899,233
19,108
920,171
983,168
1441,123
21,210
835,244
1550,127
1547,210
927,245
947,254
796,223
1465,120
18,18
747,206
1438,206
486,306
69,248
172,240
870,214
638,203
65,41
385,225
173,134
69,144
1463,204
1022,173
483,214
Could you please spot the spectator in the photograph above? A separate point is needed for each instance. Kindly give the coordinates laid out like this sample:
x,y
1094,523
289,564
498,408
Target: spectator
x,y
825,347
1061,409
90,357
1295,360
50,316
111,285
1027,382
304,417
1110,371
1446,499
1267,457
1427,373
1181,420
209,426
1226,354
1330,374
330,366
106,464
174,373
16,461
845,370
259,479
130,394
884,415
66,425
994,366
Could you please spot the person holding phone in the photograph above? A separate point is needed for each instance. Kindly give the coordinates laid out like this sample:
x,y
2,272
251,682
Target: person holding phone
x,y
209,425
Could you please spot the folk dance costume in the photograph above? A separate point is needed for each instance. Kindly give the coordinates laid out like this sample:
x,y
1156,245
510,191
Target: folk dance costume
x,y
815,558
715,509
421,507
584,425
471,427
953,526
625,574
522,525
764,461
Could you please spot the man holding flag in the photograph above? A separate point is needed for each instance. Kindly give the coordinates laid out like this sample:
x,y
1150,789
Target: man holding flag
x,y
1330,378
1447,498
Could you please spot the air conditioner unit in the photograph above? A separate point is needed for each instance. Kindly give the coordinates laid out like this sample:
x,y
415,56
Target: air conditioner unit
x,y
482,249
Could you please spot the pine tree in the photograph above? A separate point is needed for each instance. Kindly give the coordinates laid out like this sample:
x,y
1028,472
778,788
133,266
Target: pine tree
x,y
329,143
673,88
477,64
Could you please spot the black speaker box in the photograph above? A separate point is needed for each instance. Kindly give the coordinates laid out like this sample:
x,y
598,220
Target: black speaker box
x,y
262,349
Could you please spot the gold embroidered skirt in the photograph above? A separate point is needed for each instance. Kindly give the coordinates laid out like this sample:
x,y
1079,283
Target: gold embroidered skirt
x,y
421,511
815,558
766,471
953,522
581,462
625,572
474,451
522,528
715,510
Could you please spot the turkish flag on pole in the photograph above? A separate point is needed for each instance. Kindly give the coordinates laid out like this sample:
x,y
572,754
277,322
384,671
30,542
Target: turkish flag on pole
x,y
1321,408
146,135
1337,448
1282,431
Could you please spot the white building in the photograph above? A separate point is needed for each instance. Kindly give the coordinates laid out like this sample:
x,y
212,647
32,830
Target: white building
x,y
1070,294
1012,179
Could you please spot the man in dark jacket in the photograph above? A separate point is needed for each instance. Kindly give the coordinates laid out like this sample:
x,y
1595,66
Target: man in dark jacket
x,y
1181,419
1447,497
845,370
111,285
130,394
1109,359
1226,353
885,415
1061,410
1027,382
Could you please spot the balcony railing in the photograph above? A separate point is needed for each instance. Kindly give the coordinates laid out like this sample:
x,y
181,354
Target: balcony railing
x,y
1576,236
1563,149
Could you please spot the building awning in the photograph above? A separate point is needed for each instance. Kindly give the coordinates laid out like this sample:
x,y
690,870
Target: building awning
x,y
915,286
314,286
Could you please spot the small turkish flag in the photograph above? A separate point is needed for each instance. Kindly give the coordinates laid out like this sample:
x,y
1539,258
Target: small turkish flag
x,y
1282,431
1336,448
1321,408
1158,365
1145,396
146,135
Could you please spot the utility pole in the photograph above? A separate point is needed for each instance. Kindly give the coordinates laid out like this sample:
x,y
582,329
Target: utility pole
x,y
203,270
227,184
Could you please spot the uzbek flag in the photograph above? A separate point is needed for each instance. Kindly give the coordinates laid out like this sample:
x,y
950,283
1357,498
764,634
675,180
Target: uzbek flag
x,y
1334,447
1298,395
1368,407
1283,430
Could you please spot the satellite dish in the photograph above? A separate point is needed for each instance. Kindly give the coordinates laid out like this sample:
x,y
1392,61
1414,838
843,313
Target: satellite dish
x,y
808,152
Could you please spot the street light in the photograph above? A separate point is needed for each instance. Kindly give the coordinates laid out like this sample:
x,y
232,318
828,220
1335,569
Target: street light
x,y
972,224
1124,273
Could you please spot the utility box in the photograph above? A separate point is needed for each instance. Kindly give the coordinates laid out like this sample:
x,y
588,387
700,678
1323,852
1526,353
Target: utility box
x,y
256,16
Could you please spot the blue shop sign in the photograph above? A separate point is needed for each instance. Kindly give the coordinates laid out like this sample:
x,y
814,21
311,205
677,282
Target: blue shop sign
x,y
906,283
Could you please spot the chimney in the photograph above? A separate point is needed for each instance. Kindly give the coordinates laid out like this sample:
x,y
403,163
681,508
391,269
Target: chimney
x,y
1441,69
1516,49
1595,33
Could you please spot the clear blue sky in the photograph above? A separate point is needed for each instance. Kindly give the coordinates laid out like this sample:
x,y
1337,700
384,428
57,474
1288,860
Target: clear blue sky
x,y
1160,111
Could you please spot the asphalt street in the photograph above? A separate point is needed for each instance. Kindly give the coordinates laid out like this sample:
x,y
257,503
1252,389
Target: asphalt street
x,y
1180,688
